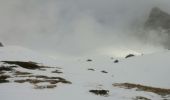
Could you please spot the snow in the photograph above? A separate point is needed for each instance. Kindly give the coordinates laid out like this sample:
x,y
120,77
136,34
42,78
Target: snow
x,y
150,70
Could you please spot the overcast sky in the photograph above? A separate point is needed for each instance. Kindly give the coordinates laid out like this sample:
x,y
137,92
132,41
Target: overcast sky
x,y
75,27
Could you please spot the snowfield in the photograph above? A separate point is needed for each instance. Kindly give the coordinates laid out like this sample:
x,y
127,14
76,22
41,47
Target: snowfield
x,y
74,78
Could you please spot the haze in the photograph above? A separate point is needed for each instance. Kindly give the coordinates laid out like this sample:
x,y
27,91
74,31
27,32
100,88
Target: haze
x,y
79,27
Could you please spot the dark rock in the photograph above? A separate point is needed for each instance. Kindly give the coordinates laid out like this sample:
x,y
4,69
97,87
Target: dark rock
x,y
89,60
100,92
158,19
159,24
21,73
1,45
130,55
91,69
27,65
38,80
4,68
3,78
116,61
103,71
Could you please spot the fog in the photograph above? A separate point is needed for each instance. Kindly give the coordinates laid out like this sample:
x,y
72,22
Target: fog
x,y
79,27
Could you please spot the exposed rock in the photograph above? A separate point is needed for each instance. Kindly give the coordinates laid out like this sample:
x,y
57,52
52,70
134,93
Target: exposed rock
x,y
1,45
21,73
5,68
3,78
27,65
38,80
158,19
130,55
158,24
138,87
89,60
103,71
116,61
100,92
91,69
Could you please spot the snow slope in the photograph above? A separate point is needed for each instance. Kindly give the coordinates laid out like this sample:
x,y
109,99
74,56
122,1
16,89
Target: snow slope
x,y
150,70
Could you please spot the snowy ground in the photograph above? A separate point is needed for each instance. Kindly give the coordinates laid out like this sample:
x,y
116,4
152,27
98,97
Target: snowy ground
x,y
150,70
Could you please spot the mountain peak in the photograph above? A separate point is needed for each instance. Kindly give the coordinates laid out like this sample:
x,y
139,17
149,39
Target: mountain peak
x,y
158,19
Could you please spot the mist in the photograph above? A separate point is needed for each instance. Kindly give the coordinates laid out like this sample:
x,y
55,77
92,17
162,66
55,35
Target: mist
x,y
79,27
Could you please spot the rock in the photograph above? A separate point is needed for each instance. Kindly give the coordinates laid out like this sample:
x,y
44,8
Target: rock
x,y
116,61
3,78
1,45
157,20
89,60
158,24
91,69
103,71
130,55
100,92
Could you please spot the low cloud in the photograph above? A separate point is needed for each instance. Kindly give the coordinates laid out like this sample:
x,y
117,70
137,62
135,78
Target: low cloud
x,y
77,27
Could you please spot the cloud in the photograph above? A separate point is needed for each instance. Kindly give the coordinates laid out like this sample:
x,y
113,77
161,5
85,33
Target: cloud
x,y
74,27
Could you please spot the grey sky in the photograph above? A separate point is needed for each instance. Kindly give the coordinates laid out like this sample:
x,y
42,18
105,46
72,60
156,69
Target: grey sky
x,y
74,27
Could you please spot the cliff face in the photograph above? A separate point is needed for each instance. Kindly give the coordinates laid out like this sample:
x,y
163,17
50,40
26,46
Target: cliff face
x,y
158,19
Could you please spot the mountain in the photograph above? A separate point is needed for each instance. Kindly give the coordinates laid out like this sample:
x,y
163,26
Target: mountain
x,y
26,73
158,19
157,27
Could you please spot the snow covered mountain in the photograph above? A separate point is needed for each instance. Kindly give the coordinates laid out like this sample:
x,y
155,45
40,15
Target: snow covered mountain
x,y
28,75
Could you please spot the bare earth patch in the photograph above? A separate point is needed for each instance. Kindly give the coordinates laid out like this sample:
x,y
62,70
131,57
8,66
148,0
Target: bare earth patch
x,y
159,91
51,81
3,78
103,71
2,72
28,77
5,68
27,65
43,79
21,73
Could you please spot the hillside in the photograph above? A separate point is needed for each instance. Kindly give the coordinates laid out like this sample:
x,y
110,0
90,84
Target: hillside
x,y
25,73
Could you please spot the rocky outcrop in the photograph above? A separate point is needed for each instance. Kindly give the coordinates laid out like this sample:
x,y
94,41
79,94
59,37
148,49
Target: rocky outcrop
x,y
157,26
158,20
